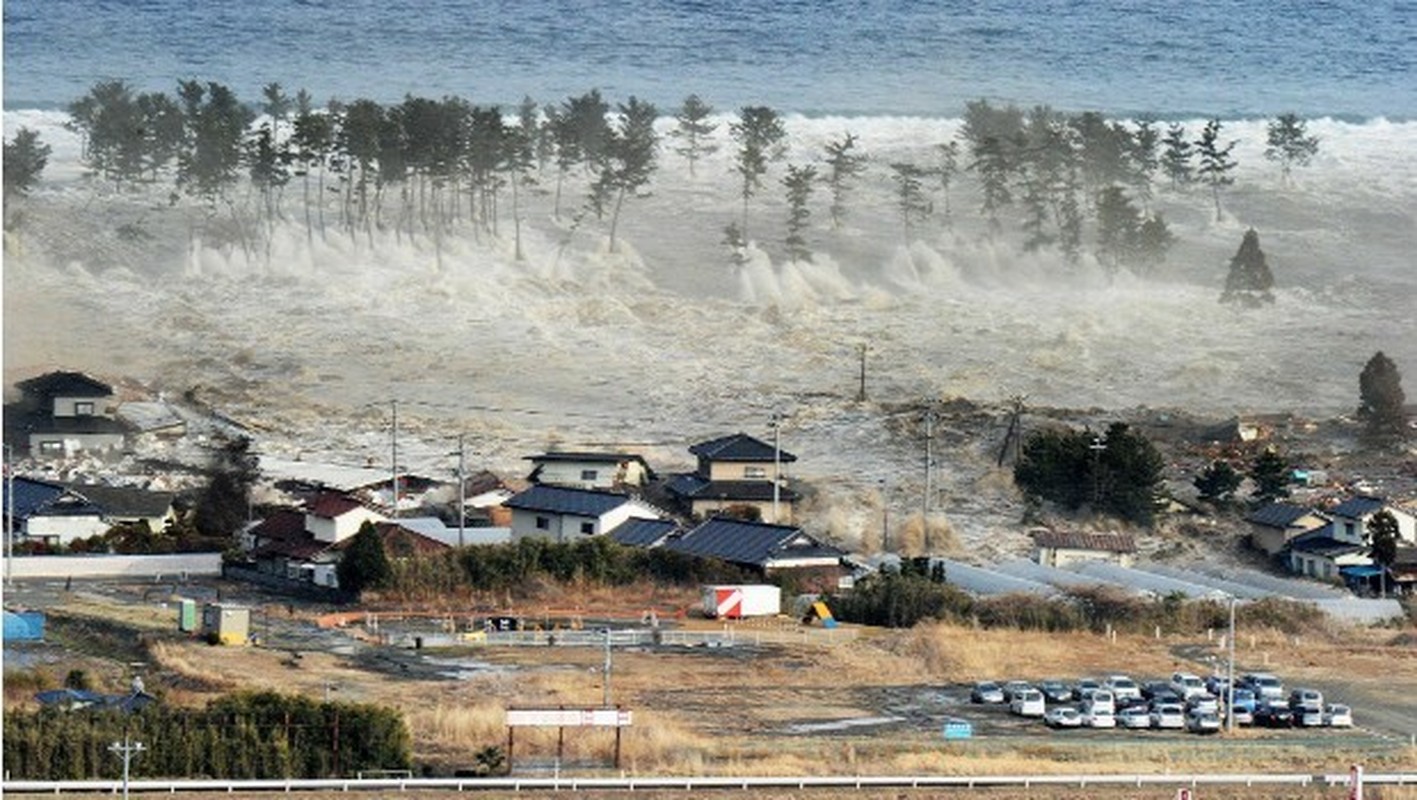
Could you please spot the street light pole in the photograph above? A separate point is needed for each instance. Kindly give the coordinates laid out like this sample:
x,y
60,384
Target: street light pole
x,y
126,751
776,465
1230,683
462,490
394,456
605,701
10,516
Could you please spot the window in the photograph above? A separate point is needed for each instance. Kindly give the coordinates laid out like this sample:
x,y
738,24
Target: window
x,y
589,474
543,523
588,528
758,473
1348,530
51,447
83,409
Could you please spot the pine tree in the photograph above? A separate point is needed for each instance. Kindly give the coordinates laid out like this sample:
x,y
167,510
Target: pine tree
x,y
1383,536
1382,402
843,166
693,129
1217,482
759,133
364,564
1154,240
1118,223
629,156
1176,156
1249,281
25,159
798,182
1215,161
1271,476
1289,144
947,168
911,202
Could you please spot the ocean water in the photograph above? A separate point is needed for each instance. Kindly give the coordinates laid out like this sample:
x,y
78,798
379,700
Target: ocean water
x,y
1346,59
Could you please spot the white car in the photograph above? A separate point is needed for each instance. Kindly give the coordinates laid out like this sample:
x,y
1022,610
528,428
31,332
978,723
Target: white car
x,y
1028,703
1100,700
1168,716
1186,685
1099,718
1133,717
1264,685
1122,687
1203,722
1205,701
1062,717
1338,715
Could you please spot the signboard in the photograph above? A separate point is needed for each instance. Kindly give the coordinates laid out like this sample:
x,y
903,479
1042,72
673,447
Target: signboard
x,y
1355,782
1183,793
568,717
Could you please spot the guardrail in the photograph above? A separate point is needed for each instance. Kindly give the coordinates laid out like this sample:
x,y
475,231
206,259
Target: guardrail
x,y
705,783
634,638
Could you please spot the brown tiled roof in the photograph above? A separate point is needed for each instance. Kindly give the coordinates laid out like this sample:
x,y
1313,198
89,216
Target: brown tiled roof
x,y
330,506
1073,540
284,525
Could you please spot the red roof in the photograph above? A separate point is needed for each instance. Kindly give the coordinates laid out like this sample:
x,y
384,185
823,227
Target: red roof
x,y
399,541
330,506
283,525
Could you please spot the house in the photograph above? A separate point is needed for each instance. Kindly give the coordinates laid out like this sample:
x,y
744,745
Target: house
x,y
643,532
58,514
61,414
1322,555
590,470
1351,518
765,548
1274,525
736,472
1061,548
1402,576
286,546
335,517
563,514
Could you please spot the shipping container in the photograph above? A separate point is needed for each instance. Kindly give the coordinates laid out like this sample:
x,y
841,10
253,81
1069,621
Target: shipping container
x,y
228,624
742,600
187,615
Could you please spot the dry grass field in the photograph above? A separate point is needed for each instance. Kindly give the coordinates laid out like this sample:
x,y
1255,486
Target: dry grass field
x,y
871,704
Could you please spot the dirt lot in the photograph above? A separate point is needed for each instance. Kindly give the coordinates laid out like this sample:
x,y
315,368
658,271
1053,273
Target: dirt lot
x,y
874,704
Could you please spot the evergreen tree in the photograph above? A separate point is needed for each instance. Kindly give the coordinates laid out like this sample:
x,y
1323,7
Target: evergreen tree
x,y
629,156
1249,281
1383,536
364,564
1117,474
843,166
1382,402
1289,143
225,503
759,133
692,130
1215,161
911,201
112,126
1176,156
24,161
1270,474
313,141
1118,224
798,182
216,127
1154,240
1144,157
1217,482
946,169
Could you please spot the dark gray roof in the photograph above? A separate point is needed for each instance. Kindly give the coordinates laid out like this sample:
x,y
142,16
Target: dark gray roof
x,y
739,447
64,384
1278,515
752,543
125,501
560,500
30,495
696,487
642,532
1359,507
590,458
1326,546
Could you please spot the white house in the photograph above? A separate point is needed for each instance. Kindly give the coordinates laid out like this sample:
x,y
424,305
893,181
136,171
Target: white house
x,y
561,514
335,517
65,413
1061,548
1351,518
590,470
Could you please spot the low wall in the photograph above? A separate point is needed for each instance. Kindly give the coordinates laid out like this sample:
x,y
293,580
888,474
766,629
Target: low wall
x,y
303,590
116,566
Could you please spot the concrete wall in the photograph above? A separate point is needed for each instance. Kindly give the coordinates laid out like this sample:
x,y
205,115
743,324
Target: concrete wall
x,y
116,566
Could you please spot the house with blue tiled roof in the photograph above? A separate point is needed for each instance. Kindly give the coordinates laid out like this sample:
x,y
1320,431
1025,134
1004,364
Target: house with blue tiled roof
x,y
644,532
737,473
766,548
563,514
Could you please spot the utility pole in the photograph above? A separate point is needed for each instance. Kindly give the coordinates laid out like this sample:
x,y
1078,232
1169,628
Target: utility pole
x,y
885,520
861,395
1097,447
10,516
394,456
606,699
462,489
776,464
126,751
1230,681
930,418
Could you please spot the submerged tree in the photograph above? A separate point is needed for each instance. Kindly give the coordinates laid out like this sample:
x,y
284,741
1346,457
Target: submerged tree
x,y
1118,222
843,166
1217,482
1249,281
798,182
1383,404
911,201
629,157
1270,474
25,159
1289,143
946,168
759,133
364,564
1176,155
1215,161
693,129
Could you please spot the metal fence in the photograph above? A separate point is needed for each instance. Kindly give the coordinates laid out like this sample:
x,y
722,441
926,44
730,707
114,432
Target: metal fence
x,y
637,637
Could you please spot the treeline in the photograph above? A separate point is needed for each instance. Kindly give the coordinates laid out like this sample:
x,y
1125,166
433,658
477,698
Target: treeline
x,y
422,166
246,735
594,561
902,599
1117,473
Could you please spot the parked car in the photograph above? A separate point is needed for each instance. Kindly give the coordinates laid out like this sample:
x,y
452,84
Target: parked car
x,y
1185,684
1028,703
1217,685
1245,699
1055,691
1134,717
1099,717
1085,685
1202,722
1203,702
1264,685
1273,714
1012,688
1306,698
1122,688
1151,689
1243,715
1099,699
986,692
1338,716
1308,716
1062,717
1168,716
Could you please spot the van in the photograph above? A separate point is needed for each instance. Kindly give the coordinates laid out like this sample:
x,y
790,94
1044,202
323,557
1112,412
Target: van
x,y
1306,698
1028,703
1186,685
1099,701
1264,685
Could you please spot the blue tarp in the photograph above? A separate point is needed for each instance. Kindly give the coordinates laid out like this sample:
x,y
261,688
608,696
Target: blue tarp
x,y
24,626
1360,571
75,699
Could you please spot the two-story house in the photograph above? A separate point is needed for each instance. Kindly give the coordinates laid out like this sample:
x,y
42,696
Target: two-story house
x,y
737,472
562,514
590,470
64,413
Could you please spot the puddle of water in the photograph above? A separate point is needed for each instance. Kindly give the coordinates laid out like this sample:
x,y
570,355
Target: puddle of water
x,y
464,669
841,724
